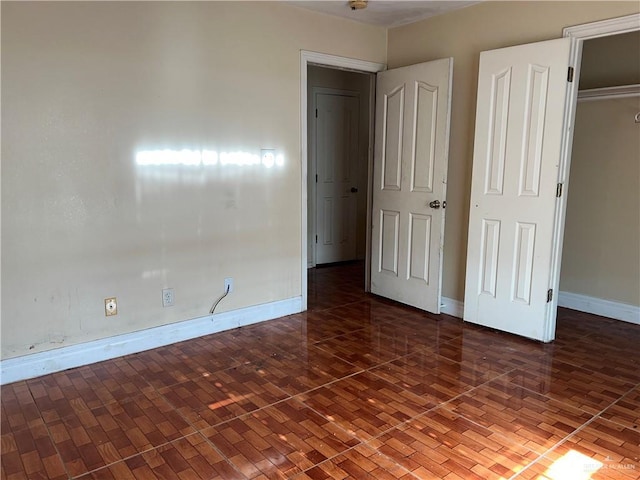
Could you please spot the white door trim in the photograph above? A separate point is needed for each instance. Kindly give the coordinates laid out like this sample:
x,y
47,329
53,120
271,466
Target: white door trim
x,y
325,60
312,259
603,28
587,31
578,34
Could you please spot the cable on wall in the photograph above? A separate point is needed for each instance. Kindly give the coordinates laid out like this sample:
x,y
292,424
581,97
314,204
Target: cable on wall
x,y
215,304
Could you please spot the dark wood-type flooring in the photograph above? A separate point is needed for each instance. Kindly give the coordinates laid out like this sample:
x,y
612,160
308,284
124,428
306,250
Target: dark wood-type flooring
x,y
356,387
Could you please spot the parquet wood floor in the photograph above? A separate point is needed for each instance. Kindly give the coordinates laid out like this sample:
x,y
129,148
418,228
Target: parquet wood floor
x,y
357,387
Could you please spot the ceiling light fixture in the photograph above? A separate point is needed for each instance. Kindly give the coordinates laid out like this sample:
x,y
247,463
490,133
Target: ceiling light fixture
x,y
357,4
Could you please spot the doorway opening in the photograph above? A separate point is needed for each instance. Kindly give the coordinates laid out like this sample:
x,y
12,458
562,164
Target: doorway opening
x,y
335,78
337,182
601,265
412,113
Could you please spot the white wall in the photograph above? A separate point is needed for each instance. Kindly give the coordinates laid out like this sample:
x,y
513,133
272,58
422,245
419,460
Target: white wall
x,y
86,87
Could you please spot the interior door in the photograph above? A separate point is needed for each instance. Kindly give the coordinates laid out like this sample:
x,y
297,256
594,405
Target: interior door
x,y
413,107
520,118
336,179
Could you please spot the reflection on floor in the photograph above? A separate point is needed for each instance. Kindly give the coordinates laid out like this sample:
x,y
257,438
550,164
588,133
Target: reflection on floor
x,y
357,387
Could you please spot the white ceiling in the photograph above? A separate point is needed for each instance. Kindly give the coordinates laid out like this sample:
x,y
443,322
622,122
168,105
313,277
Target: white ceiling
x,y
386,13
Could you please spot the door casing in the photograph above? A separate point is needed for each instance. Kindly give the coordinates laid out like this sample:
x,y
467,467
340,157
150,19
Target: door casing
x,y
578,34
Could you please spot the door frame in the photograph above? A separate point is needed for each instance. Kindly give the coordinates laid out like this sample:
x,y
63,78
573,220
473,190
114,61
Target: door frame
x,y
578,34
313,160
308,58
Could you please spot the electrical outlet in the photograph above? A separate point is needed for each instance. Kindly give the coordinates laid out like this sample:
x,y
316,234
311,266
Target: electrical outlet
x,y
110,306
167,297
228,284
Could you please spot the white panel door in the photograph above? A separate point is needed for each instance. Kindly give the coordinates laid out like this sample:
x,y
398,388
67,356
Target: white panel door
x,y
517,152
410,166
337,173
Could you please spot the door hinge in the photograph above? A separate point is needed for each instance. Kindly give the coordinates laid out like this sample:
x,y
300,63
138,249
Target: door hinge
x,y
316,113
316,178
549,295
316,238
570,75
559,190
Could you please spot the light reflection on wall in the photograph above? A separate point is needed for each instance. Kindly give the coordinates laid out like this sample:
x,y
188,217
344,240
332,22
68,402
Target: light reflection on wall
x,y
205,158
198,167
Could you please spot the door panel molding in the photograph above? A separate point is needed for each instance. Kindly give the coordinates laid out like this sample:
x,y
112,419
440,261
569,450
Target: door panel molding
x,y
389,242
419,243
523,262
489,257
392,139
531,161
497,145
424,137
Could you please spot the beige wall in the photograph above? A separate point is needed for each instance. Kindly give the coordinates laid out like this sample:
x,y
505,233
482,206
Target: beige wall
x,y
611,60
86,86
463,34
601,255
352,82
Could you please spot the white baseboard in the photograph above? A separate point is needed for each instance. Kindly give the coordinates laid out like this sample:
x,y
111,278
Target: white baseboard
x,y
598,306
582,303
43,363
452,307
